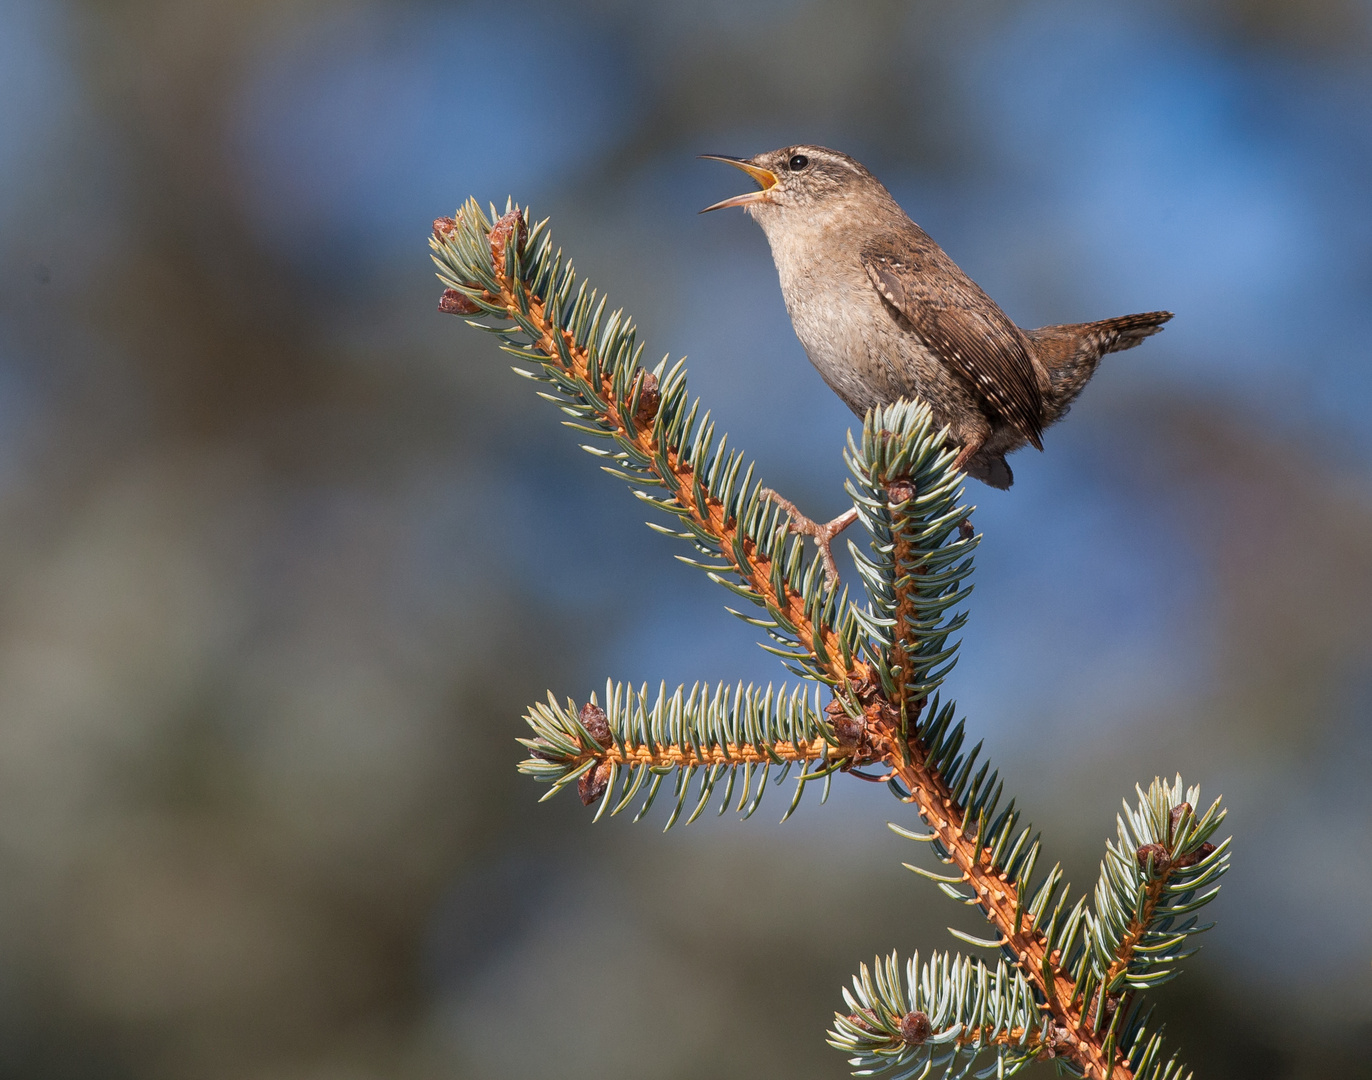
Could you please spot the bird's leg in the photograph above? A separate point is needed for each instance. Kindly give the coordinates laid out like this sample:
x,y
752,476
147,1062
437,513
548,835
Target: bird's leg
x,y
967,453
823,534
960,462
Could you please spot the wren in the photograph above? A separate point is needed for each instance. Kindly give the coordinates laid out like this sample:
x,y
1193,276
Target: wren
x,y
884,313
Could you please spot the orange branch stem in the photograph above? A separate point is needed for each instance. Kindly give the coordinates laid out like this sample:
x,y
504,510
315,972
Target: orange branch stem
x,y
686,757
1137,928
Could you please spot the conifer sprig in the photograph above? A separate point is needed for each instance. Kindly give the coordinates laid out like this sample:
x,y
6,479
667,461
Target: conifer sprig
x,y
1157,874
949,1013
1092,960
742,736
1068,982
907,498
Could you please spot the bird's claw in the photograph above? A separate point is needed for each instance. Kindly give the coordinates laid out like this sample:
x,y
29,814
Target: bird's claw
x,y
823,534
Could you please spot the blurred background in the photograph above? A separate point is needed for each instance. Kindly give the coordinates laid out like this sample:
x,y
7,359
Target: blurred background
x,y
284,553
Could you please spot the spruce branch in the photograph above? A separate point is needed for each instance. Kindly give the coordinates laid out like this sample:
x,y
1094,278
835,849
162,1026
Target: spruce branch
x,y
947,1013
907,498
1067,984
730,733
1160,870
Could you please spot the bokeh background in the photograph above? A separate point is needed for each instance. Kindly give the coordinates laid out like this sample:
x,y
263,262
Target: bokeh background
x,y
284,553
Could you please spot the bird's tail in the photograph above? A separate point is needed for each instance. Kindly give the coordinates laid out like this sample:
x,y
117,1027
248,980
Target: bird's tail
x,y
1106,336
1071,352
1126,331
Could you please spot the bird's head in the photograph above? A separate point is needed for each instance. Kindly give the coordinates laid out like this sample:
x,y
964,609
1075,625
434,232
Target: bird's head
x,y
804,179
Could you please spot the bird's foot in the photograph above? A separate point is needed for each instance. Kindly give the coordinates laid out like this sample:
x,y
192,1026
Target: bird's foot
x,y
823,534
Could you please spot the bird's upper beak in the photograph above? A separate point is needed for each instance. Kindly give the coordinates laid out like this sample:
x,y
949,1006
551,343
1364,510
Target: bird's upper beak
x,y
765,178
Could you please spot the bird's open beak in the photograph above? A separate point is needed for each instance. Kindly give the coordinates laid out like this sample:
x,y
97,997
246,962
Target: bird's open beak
x,y
766,180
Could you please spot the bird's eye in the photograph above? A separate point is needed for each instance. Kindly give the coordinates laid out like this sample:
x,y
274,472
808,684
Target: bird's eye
x,y
797,162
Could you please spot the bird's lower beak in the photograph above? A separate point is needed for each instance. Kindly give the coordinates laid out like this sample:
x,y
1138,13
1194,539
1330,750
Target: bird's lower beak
x,y
766,180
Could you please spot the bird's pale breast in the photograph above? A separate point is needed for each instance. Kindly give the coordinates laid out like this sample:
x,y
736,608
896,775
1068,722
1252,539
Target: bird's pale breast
x,y
863,349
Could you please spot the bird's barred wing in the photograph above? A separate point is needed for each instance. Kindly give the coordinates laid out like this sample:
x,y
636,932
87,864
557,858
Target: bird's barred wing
x,y
961,324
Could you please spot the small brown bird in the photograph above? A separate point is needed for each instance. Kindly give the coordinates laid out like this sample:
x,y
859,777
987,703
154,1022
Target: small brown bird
x,y
884,313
